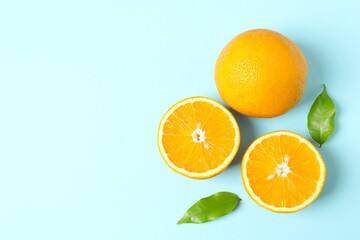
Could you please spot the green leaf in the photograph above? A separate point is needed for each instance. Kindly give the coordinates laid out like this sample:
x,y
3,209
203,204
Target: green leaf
x,y
321,122
210,208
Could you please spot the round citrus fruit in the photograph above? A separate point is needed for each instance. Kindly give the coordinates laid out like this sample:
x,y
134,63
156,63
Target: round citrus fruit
x,y
198,137
261,73
283,172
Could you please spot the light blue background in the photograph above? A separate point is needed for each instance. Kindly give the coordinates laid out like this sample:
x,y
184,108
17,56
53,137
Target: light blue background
x,y
83,85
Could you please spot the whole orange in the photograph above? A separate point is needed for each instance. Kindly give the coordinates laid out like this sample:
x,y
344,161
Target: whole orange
x,y
261,73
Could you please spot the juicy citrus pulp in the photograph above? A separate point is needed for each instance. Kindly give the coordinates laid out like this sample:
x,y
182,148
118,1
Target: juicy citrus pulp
x,y
198,137
283,172
261,73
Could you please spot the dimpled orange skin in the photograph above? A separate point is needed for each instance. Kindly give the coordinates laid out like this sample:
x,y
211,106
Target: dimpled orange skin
x,y
261,73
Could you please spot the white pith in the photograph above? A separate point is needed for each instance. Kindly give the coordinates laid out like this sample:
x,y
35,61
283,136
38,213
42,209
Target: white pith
x,y
198,135
283,168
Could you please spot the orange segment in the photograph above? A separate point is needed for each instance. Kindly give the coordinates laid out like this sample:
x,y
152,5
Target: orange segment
x,y
283,172
198,137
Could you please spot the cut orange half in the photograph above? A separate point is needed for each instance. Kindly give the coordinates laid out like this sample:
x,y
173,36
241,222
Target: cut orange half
x,y
198,137
283,172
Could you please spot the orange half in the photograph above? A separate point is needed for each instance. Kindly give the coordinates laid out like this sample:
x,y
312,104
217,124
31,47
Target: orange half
x,y
283,172
198,137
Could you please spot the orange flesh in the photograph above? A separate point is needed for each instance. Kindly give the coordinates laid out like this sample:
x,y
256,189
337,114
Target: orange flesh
x,y
283,191
198,156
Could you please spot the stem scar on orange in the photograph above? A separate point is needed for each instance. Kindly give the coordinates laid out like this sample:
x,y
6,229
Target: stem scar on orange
x,y
198,137
283,172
